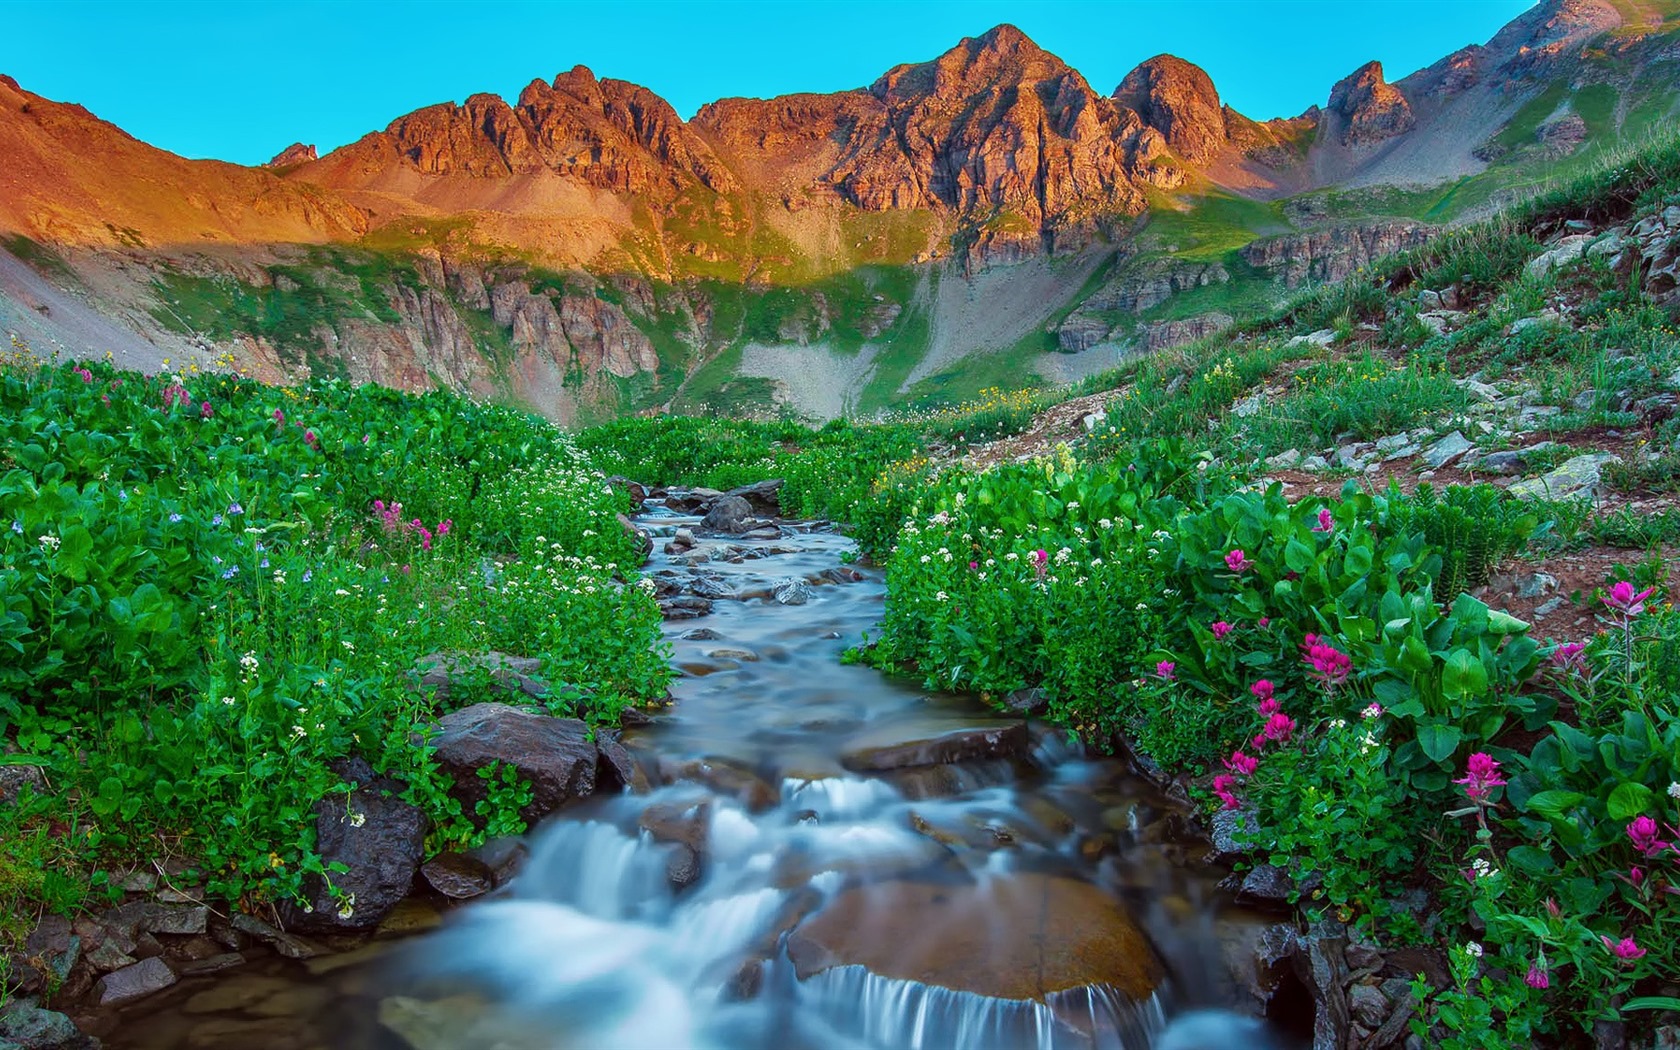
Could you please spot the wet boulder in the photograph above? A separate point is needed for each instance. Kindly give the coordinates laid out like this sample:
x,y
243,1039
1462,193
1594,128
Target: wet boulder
x,y
458,876
762,495
875,754
555,755
24,1024
730,514
379,838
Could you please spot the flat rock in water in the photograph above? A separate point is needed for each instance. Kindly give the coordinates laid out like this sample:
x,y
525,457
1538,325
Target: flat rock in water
x,y
763,495
729,514
457,876
1027,937
555,755
135,982
964,744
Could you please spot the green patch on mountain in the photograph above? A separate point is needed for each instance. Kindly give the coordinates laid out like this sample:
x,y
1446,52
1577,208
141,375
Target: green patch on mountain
x,y
42,258
1205,228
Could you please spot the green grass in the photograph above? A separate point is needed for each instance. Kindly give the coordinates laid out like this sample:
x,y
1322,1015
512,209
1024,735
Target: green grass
x,y
1212,225
42,258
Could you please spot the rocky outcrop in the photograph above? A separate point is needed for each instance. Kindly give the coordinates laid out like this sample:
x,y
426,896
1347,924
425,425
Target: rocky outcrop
x,y
1334,253
1164,334
296,153
1178,100
1370,110
1079,332
1142,287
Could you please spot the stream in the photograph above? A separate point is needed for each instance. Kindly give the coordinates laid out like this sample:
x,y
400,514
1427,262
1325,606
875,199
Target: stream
x,y
830,859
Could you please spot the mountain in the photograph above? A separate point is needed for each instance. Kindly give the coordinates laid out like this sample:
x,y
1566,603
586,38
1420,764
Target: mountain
x,y
586,251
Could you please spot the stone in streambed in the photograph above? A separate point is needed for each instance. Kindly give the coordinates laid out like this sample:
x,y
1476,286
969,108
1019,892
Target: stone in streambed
x,y
965,744
457,876
135,982
1059,933
379,838
554,755
730,514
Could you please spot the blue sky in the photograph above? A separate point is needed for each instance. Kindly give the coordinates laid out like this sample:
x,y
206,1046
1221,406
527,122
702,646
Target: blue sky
x,y
240,80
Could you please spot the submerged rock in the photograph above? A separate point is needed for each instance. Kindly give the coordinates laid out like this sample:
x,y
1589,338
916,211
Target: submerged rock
x,y
998,740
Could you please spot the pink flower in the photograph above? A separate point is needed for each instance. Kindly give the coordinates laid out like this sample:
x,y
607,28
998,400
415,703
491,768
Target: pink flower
x,y
1643,833
1622,598
175,394
311,440
87,377
1269,707
206,411
1224,786
1165,669
1537,977
1220,630
1636,876
1623,949
1481,776
1278,726
1264,622
279,417
1242,765
1041,561
973,565
1238,562
1326,522
1330,665
1570,655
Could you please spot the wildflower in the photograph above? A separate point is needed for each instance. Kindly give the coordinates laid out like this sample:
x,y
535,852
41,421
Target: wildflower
x,y
1223,786
1481,776
1279,726
1481,869
1040,560
1643,834
941,596
1220,630
308,574
175,518
1473,949
311,440
1622,599
1263,690
1238,562
1330,665
234,508
1372,710
1674,789
17,527
298,732
1242,765
230,572
357,819
205,411
48,542
1569,655
227,701
248,663
217,520
1623,949
1264,622
1166,669
1537,978
1326,522
122,495
279,417
973,566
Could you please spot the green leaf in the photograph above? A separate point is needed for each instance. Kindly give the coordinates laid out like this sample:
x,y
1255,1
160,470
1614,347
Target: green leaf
x,y
1629,800
1463,676
1652,1002
1439,741
1553,803
1532,860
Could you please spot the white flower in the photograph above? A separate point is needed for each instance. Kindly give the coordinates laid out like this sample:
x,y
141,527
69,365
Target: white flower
x,y
1338,723
357,819
342,593
1481,869
248,663
299,732
1674,789
49,542
926,558
1473,950
941,596
1373,710
227,701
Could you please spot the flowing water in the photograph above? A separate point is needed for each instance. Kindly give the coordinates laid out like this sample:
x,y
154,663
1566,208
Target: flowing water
x,y
830,859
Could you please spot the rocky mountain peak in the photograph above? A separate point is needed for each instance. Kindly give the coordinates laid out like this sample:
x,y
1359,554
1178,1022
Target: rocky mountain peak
x,y
1177,99
296,153
1370,109
1551,29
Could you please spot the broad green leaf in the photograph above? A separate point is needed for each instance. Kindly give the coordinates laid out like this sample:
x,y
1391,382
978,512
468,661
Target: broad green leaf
x,y
1439,741
1629,800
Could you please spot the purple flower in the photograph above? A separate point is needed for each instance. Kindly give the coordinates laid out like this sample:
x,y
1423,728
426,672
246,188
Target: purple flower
x,y
308,574
1537,977
1570,655
230,572
1223,786
217,520
1220,630
1326,522
234,508
1166,669
1238,562
1623,949
1242,765
1643,834
175,518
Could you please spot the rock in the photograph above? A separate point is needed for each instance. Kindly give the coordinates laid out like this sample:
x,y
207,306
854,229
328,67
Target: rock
x,y
1249,406
1558,255
1162,335
682,867
637,492
1534,584
14,779
1284,460
952,936
1368,1005
641,541
26,1025
296,153
1230,831
740,655
134,982
700,634
154,917
1428,300
1524,324
1579,478
1031,701
1482,392
289,945
554,755
1547,608
1093,420
1266,885
444,673
1351,457
1321,338
762,495
729,514
1370,109
1315,464
380,839
1446,450
684,607
211,964
1079,332
791,591
1510,461
998,740
1585,401
458,876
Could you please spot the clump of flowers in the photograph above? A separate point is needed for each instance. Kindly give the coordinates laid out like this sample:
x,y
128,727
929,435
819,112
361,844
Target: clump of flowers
x,y
1326,522
1237,561
392,523
1329,665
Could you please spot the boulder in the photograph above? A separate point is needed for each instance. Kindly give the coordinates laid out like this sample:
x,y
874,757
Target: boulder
x,y
967,744
458,876
1558,255
637,492
380,839
555,755
24,1024
762,495
1446,450
730,514
791,591
1579,478
14,779
441,673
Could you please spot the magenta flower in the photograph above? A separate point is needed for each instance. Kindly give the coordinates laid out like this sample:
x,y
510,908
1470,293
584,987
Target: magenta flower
x,y
1242,765
1623,949
1481,776
1238,562
1643,834
1220,630
1264,622
311,440
1326,522
87,376
1263,689
1165,669
1278,726
1268,707
279,417
973,565
1571,655
1224,786
1041,562
1623,600
1329,664
1537,977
